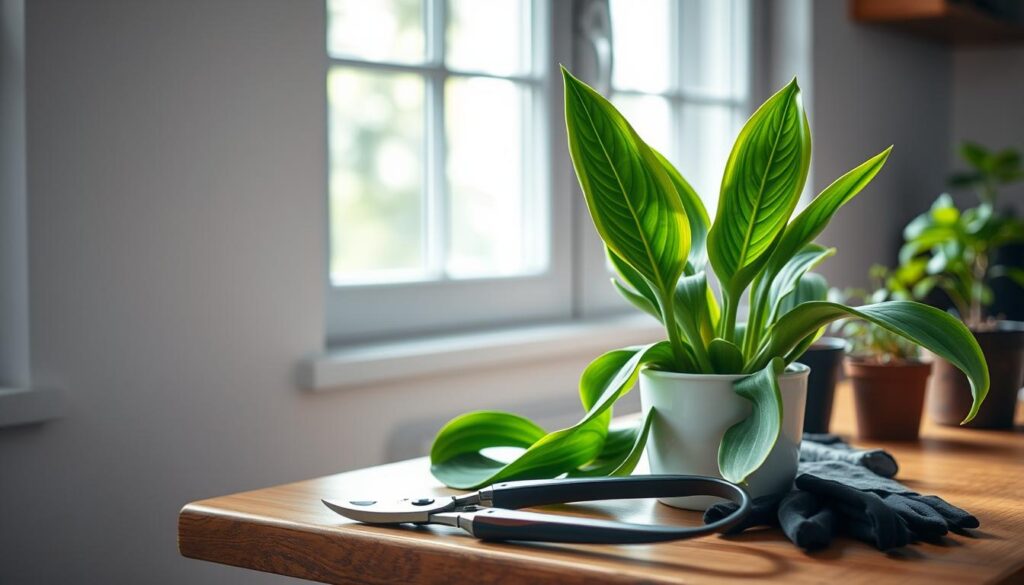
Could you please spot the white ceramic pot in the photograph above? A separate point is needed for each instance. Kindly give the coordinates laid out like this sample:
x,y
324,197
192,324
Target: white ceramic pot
x,y
693,411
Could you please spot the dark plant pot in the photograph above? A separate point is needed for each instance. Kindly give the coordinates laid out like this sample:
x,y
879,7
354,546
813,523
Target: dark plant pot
x,y
888,398
949,396
824,359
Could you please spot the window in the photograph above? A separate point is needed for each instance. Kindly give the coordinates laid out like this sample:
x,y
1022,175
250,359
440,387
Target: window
x,y
683,81
452,202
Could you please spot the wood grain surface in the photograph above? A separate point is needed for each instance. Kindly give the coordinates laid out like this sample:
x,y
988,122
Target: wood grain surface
x,y
286,530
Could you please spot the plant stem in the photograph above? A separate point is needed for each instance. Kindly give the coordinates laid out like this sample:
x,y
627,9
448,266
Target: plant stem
x,y
669,312
728,322
753,334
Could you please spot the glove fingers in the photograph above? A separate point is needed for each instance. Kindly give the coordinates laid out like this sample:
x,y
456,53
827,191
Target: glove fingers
x,y
957,518
805,521
922,520
874,522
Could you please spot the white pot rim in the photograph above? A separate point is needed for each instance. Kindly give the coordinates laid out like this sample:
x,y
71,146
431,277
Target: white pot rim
x,y
793,370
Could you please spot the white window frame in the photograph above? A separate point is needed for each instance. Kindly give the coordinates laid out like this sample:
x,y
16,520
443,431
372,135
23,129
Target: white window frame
x,y
362,312
575,284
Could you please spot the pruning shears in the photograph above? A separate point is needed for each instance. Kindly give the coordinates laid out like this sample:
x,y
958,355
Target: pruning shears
x,y
492,513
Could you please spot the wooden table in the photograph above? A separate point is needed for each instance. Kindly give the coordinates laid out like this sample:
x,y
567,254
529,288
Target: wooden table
x,y
286,530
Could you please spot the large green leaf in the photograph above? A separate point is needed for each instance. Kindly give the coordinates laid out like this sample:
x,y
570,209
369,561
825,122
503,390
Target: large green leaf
x,y
810,222
632,200
764,175
696,214
746,444
935,330
806,226
456,457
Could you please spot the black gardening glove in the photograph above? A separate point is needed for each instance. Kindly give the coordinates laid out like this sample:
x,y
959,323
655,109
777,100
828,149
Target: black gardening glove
x,y
829,447
801,515
879,510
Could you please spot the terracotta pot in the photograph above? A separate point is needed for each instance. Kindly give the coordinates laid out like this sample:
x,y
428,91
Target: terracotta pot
x,y
888,398
824,358
949,396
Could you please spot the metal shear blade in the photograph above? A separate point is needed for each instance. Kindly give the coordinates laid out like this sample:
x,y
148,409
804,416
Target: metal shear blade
x,y
406,510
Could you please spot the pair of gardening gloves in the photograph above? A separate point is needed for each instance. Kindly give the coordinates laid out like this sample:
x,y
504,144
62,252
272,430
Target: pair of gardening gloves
x,y
839,489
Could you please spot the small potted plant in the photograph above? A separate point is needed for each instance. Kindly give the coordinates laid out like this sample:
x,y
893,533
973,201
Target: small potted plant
x,y
824,357
720,396
955,252
889,378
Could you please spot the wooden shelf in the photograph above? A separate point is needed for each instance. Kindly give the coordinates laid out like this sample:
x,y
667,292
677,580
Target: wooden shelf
x,y
944,20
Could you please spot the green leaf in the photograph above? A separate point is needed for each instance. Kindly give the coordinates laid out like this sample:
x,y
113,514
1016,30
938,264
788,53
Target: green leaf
x,y
935,330
696,213
693,315
810,222
785,282
637,300
746,445
622,451
764,175
637,285
456,457
810,287
976,155
631,198
725,357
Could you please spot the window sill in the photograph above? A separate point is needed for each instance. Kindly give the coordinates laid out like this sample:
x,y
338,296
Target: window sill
x,y
22,406
364,365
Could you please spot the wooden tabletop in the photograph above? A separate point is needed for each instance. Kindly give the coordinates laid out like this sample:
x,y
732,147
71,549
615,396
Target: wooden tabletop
x,y
285,529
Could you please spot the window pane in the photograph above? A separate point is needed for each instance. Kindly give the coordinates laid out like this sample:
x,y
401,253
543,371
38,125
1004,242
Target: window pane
x,y
376,30
489,216
709,47
641,44
708,134
376,174
651,117
490,36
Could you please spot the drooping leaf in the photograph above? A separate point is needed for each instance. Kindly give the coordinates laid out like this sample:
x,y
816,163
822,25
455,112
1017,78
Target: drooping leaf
x,y
935,330
456,457
631,198
622,450
696,214
746,445
764,175
725,357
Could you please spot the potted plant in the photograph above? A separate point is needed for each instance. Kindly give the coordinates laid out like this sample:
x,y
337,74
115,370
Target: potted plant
x,y
720,396
824,357
954,252
889,378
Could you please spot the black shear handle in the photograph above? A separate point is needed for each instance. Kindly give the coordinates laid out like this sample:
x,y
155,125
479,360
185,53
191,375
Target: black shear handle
x,y
524,494
499,524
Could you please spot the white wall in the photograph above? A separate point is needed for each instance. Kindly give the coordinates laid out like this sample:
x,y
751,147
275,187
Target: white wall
x,y
988,105
873,88
176,181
